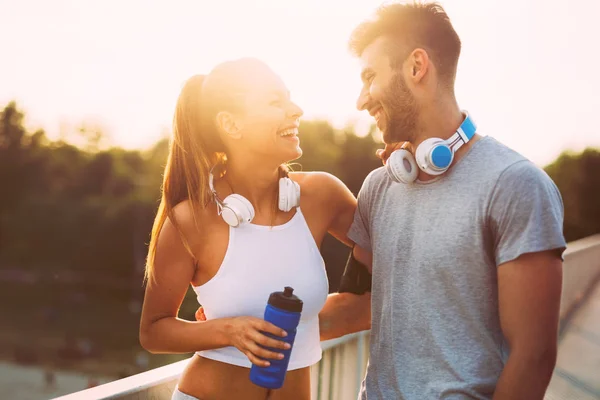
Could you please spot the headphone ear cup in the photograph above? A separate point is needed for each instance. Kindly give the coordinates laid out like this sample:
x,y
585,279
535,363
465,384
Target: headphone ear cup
x,y
401,167
237,210
425,151
289,194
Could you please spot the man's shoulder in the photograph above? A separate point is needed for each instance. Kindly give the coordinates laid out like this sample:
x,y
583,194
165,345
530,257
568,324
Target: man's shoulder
x,y
507,164
495,154
375,178
491,159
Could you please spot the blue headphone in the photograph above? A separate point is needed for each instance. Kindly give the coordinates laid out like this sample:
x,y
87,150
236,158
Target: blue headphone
x,y
433,156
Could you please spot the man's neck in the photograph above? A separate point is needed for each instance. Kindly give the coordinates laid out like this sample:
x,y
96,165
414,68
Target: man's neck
x,y
441,120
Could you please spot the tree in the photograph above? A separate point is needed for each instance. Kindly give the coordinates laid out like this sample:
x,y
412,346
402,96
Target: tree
x,y
578,180
79,218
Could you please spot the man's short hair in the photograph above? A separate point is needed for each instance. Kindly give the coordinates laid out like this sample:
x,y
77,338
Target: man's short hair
x,y
409,26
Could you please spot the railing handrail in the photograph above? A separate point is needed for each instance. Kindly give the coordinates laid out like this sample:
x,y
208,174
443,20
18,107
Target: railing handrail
x,y
156,376
328,344
130,384
582,244
573,293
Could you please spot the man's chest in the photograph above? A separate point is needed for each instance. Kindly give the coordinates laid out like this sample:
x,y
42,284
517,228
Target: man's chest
x,y
428,230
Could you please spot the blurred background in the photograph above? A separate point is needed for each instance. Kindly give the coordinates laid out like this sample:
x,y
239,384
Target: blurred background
x,y
87,93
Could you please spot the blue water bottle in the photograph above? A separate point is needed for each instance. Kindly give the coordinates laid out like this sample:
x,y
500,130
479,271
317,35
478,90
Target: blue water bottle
x,y
283,310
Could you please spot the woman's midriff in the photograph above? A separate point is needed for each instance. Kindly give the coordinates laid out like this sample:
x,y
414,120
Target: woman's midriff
x,y
214,380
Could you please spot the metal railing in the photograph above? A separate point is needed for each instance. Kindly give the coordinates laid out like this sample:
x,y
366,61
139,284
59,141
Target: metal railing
x,y
340,372
581,271
337,376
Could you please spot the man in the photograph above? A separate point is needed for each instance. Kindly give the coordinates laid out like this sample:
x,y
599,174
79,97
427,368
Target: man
x,y
466,264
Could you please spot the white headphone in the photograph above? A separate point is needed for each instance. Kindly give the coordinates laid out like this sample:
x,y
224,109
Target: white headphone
x,y
433,156
236,210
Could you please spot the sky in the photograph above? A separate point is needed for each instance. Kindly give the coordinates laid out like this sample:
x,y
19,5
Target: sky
x,y
528,73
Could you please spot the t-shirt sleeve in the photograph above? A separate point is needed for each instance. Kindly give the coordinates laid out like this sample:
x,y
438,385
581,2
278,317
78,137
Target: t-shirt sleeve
x,y
359,231
526,213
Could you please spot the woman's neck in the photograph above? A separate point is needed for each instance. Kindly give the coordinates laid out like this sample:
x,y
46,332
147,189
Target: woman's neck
x,y
259,183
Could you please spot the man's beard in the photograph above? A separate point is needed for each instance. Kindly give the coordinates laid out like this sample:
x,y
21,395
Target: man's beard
x,y
402,112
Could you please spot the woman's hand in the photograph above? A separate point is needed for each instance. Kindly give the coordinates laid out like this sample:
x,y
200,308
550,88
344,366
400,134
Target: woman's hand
x,y
247,335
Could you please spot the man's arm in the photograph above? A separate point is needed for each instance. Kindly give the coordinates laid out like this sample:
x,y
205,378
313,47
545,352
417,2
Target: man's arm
x,y
346,313
529,290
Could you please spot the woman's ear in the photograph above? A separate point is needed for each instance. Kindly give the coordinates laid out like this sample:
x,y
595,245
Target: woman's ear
x,y
228,125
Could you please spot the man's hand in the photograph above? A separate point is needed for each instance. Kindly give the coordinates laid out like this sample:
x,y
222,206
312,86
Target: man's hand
x,y
200,314
384,154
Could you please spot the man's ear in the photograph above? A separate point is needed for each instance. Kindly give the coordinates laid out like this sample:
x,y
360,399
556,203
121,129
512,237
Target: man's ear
x,y
228,125
418,64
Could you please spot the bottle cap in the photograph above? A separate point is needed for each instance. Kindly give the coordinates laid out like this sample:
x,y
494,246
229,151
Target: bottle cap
x,y
286,300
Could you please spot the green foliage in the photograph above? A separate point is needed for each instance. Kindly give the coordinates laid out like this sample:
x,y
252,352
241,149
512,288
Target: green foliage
x,y
578,179
78,219
85,209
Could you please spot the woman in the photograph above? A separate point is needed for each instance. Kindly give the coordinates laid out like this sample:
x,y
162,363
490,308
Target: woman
x,y
236,226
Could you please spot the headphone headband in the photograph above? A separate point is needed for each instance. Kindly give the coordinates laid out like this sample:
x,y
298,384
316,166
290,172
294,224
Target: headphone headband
x,y
468,128
210,180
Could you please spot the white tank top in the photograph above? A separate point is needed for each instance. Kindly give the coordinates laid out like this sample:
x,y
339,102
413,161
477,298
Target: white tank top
x,y
260,260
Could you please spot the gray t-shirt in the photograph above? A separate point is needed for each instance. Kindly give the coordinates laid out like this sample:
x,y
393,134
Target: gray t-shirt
x,y
435,330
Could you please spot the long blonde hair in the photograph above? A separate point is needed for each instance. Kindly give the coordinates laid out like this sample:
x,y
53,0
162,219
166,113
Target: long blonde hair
x,y
195,145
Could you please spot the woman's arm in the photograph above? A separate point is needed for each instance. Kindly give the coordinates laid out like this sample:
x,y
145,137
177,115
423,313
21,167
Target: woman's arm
x,y
344,206
345,313
161,331
336,201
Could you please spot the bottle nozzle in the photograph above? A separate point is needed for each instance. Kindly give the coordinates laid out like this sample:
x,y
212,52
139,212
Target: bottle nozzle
x,y
286,300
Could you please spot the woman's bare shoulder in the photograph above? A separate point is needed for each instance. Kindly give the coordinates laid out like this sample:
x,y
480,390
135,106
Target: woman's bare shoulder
x,y
324,188
319,182
192,218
